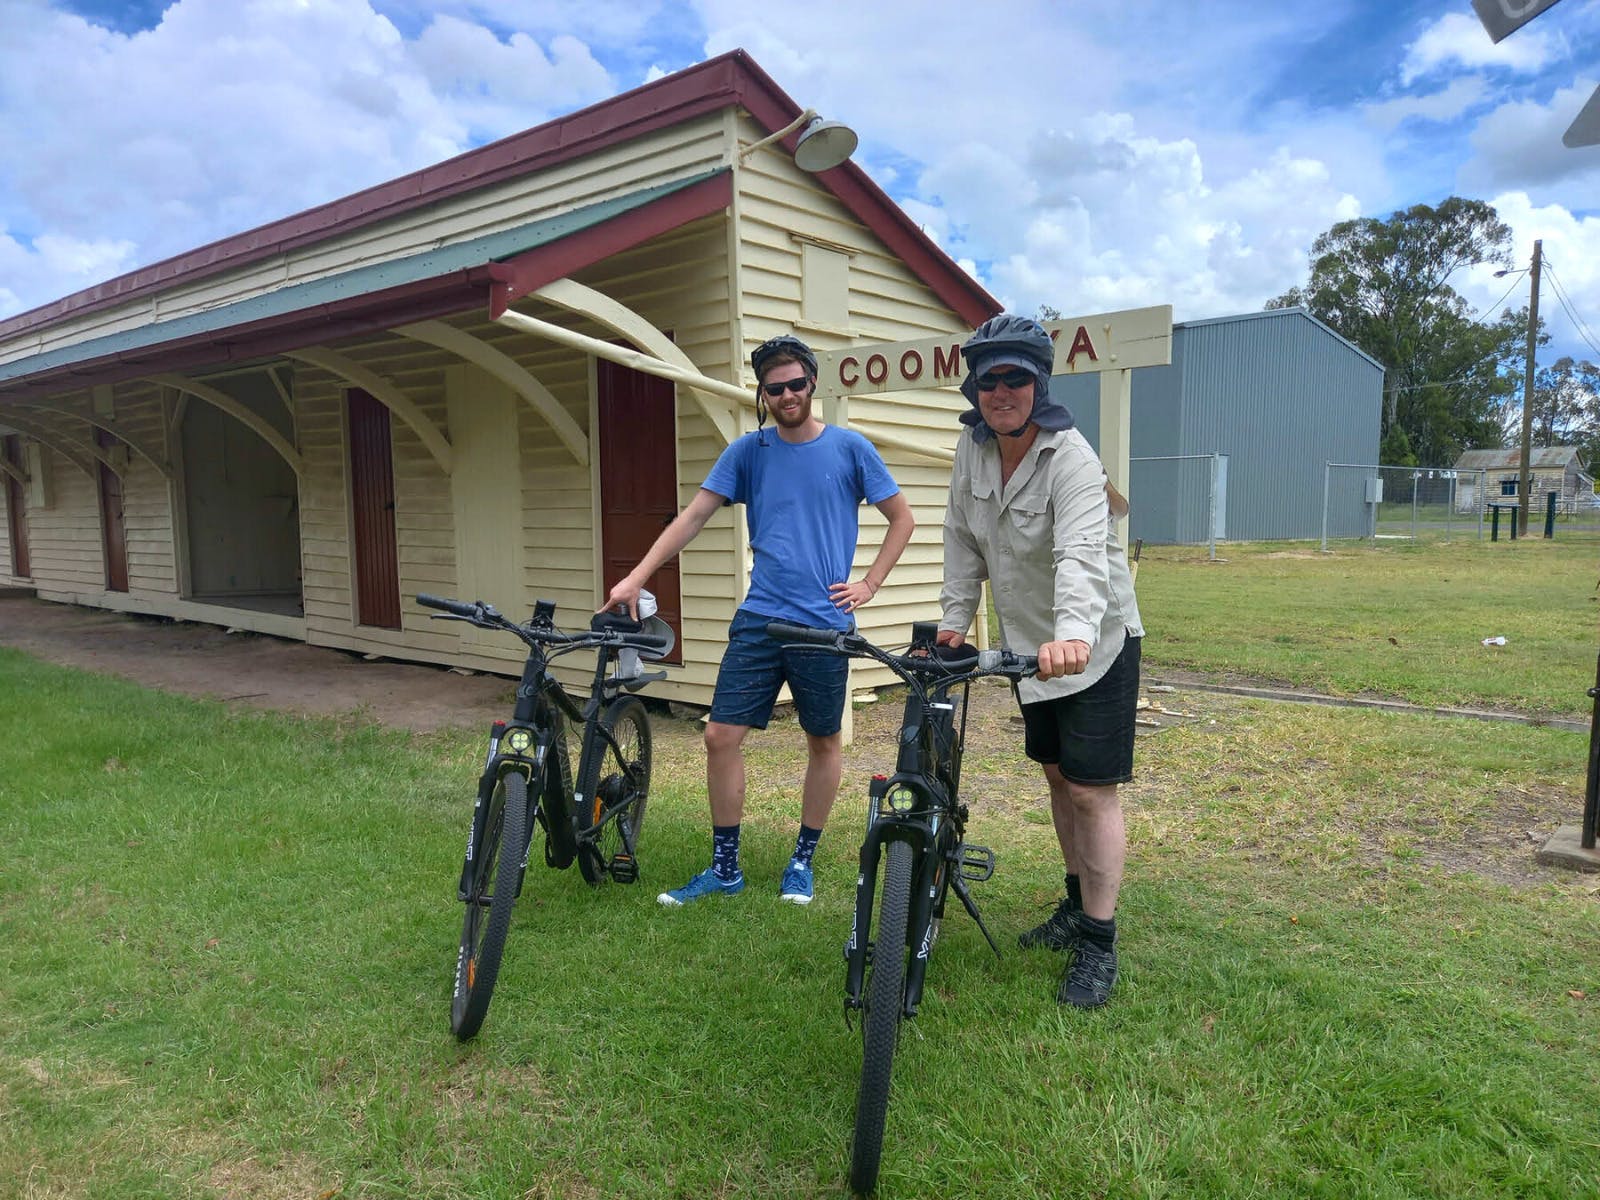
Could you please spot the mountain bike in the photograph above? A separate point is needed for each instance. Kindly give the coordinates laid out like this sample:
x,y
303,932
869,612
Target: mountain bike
x,y
527,781
916,831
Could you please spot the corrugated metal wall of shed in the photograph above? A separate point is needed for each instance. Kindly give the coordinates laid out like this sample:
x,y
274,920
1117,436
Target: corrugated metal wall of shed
x,y
1278,393
1155,493
1281,395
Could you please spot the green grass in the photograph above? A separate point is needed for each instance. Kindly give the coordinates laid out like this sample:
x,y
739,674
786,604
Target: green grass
x,y
226,943
1404,620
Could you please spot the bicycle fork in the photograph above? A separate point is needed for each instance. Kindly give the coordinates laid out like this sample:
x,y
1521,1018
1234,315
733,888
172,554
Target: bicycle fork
x,y
920,834
533,768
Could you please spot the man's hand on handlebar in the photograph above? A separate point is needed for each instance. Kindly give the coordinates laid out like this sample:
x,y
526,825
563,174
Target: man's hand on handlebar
x,y
1062,658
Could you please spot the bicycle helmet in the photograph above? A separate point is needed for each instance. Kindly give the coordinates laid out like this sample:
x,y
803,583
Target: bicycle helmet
x,y
762,355
784,343
1008,340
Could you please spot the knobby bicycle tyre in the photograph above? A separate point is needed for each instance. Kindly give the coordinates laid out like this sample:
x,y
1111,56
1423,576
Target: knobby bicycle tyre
x,y
611,776
880,1025
484,928
560,840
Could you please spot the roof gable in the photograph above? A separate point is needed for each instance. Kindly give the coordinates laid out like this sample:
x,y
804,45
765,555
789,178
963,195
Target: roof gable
x,y
727,80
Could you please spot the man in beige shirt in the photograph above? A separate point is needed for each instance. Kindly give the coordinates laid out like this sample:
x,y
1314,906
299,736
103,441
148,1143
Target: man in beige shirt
x,y
1029,511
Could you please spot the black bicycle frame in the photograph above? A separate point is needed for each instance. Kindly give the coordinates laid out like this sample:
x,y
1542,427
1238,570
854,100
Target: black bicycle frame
x,y
931,825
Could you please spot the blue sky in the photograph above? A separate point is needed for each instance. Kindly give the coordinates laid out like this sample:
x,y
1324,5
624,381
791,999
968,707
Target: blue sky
x,y
1085,155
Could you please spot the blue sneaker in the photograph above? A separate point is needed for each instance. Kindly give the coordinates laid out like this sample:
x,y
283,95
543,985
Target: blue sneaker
x,y
704,884
796,885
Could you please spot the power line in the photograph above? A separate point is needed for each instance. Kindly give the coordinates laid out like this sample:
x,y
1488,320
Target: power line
x,y
1502,299
1566,305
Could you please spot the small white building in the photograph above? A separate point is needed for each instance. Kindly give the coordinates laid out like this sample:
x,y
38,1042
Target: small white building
x,y
1558,469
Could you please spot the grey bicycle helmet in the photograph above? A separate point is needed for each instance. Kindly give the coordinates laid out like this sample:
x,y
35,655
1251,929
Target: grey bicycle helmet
x,y
784,343
1008,340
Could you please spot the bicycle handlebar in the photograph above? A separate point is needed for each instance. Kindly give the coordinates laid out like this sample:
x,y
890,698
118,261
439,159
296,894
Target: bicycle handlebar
x,y
459,607
946,662
486,617
785,632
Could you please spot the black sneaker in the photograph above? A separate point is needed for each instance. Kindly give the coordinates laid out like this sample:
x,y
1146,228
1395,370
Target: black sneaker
x,y
1059,931
1086,983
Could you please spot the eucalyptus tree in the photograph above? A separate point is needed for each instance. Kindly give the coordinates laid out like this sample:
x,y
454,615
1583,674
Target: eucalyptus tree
x,y
1384,283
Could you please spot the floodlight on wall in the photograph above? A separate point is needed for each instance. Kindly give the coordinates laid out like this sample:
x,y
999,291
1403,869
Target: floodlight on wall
x,y
823,146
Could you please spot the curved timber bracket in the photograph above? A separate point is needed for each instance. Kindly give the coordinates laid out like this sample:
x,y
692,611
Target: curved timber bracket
x,y
239,412
384,391
82,455
510,372
619,318
111,426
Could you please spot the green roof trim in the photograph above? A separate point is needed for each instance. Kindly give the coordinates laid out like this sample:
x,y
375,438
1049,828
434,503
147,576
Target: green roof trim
x,y
376,277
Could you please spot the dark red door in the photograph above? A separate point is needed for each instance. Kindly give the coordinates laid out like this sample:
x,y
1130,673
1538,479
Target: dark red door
x,y
16,511
113,532
372,502
638,482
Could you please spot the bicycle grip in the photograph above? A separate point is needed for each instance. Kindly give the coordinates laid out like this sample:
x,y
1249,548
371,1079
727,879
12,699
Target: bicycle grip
x,y
460,608
785,632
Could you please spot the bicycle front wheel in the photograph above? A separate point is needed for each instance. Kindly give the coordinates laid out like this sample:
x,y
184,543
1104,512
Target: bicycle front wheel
x,y
488,917
614,774
880,1026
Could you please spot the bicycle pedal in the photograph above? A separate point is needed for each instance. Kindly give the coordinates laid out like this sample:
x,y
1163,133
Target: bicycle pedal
x,y
624,868
975,864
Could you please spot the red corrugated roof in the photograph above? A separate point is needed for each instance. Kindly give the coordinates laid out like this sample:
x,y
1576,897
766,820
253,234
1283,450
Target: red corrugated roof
x,y
729,79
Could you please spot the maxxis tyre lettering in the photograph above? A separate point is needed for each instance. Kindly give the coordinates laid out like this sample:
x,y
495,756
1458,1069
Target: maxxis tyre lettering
x,y
629,723
881,1024
501,855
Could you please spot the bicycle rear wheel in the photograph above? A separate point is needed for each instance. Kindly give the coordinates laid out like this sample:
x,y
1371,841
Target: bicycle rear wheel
x,y
880,1026
488,917
612,775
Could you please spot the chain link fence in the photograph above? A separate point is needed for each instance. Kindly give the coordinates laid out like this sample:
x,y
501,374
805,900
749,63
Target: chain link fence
x,y
1440,504
1179,499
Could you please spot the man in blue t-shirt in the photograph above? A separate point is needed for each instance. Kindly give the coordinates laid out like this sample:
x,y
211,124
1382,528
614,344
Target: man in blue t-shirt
x,y
801,486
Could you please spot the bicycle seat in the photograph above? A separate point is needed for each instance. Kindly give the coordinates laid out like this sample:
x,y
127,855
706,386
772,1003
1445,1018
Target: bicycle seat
x,y
651,627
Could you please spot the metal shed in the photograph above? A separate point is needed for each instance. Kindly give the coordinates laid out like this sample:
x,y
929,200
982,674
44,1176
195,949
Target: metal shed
x,y
1276,394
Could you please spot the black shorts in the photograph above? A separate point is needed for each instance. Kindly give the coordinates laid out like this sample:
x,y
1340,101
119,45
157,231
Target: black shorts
x,y
1089,734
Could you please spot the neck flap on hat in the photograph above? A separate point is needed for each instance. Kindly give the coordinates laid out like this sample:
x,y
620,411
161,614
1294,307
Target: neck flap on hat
x,y
1046,414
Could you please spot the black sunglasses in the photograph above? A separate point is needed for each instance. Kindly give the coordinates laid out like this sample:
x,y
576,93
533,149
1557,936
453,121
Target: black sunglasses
x,y
788,385
1012,379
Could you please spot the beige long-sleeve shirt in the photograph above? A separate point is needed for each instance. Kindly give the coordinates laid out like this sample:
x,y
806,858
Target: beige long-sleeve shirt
x,y
1047,544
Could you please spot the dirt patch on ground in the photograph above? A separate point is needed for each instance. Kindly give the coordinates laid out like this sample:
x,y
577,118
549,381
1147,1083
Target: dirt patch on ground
x,y
272,673
251,669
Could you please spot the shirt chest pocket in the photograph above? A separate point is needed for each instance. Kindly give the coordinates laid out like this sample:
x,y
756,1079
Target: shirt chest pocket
x,y
1027,520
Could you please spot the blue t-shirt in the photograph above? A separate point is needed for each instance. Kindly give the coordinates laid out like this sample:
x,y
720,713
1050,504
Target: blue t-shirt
x,y
801,504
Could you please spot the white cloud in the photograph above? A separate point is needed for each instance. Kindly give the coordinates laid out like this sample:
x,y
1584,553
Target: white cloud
x,y
231,113
1458,39
1519,144
1445,104
1572,250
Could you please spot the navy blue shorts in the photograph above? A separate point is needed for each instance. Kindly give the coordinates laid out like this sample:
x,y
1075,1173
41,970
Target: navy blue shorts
x,y
755,666
1089,734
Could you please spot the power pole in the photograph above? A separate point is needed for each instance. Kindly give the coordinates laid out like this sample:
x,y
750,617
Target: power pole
x,y
1525,486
